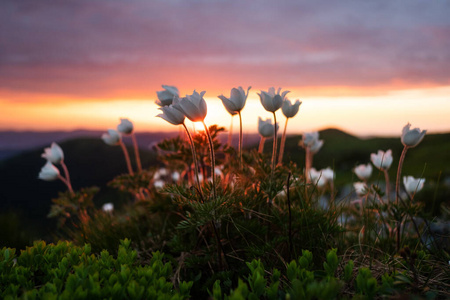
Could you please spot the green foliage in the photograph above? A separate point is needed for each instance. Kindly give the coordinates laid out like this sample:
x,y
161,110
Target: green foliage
x,y
366,284
65,271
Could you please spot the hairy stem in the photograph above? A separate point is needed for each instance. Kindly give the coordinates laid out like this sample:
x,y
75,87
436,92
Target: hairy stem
x,y
136,152
274,151
386,179
261,144
127,157
230,133
66,172
308,163
67,183
290,217
283,141
240,140
213,158
397,192
194,157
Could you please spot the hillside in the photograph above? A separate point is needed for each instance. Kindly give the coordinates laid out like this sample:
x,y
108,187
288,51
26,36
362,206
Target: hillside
x,y
25,201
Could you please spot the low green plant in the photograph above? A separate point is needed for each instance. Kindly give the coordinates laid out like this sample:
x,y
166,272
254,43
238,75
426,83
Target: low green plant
x,y
66,271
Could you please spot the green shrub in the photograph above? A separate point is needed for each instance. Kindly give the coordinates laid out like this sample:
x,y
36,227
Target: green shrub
x,y
65,271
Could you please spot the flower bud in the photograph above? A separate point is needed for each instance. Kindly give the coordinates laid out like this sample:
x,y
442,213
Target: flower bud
x,y
165,97
271,101
265,128
125,126
194,107
412,137
237,100
290,110
111,138
54,154
172,113
49,172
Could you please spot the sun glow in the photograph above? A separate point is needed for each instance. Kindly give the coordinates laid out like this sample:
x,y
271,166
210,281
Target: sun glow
x,y
377,115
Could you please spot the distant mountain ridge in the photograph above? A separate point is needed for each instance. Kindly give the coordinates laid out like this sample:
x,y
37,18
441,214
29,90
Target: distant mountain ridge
x,y
15,142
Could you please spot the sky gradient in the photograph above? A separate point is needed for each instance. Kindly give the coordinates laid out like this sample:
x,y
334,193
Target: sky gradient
x,y
363,66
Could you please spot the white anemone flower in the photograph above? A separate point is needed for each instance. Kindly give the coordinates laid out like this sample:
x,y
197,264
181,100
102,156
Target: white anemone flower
x,y
363,171
271,101
53,154
165,97
382,160
49,172
194,106
265,128
125,126
412,137
111,138
413,185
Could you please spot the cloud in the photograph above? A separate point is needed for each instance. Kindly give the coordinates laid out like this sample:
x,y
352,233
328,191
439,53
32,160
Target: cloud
x,y
117,48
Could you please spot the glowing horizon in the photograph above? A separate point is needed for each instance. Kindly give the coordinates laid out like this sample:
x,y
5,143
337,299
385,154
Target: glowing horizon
x,y
369,116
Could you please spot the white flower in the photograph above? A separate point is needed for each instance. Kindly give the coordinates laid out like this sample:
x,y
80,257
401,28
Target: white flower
x,y
328,174
125,126
317,177
54,154
49,172
112,137
363,171
271,101
158,184
310,138
382,160
163,172
361,188
316,145
413,185
290,110
412,137
173,113
237,100
194,106
265,128
176,176
108,207
200,177
218,171
166,97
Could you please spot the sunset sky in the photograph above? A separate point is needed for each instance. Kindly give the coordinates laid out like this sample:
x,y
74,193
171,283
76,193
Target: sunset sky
x,y
367,67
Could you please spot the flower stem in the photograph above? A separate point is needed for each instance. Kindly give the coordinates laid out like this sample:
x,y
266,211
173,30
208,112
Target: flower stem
x,y
261,144
308,163
290,216
274,151
397,192
386,179
136,152
66,172
127,157
230,133
194,156
212,158
399,174
69,186
283,141
240,140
